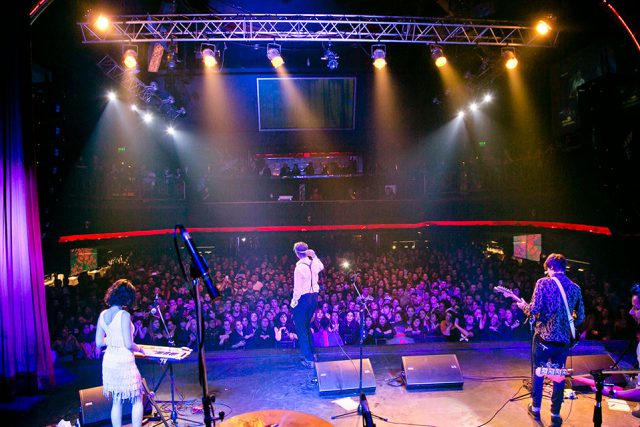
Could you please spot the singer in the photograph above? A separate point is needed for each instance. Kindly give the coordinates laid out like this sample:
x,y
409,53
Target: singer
x,y
305,298
121,379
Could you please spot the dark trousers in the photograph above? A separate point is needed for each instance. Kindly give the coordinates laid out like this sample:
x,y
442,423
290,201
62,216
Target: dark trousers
x,y
541,353
302,315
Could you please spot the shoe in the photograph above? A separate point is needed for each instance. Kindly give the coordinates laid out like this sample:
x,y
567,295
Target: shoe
x,y
533,414
308,364
556,420
636,413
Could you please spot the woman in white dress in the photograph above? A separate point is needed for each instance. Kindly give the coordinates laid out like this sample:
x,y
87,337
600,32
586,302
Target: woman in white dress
x,y
121,379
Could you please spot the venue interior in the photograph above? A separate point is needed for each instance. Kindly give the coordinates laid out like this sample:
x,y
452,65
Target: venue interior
x,y
430,154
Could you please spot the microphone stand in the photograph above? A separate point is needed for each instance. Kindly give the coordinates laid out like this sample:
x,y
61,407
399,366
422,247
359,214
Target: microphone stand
x,y
207,399
599,376
199,270
363,406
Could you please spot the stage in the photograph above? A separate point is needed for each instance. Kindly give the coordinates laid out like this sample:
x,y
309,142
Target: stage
x,y
251,380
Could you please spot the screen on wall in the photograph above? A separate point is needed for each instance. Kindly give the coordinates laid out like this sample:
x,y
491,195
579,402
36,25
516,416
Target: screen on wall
x,y
303,103
527,246
83,259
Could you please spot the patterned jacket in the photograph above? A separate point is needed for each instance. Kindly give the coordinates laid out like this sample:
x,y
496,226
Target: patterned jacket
x,y
547,306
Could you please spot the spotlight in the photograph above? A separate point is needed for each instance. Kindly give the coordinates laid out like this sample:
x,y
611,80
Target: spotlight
x,y
102,23
331,58
273,53
438,56
209,55
487,98
461,113
510,60
171,130
543,27
473,106
134,107
379,54
130,58
345,264
111,95
147,118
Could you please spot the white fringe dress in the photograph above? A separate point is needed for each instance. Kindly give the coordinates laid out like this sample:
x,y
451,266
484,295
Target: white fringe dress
x,y
121,379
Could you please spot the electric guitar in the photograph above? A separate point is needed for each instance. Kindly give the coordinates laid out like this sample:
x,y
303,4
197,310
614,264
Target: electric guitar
x,y
573,341
509,294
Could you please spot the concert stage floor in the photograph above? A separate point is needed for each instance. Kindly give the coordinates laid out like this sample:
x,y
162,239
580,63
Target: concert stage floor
x,y
246,381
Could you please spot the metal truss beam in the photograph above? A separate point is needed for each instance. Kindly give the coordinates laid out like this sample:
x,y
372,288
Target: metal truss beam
x,y
313,28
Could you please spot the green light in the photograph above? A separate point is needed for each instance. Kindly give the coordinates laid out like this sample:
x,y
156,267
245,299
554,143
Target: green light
x,y
121,149
482,143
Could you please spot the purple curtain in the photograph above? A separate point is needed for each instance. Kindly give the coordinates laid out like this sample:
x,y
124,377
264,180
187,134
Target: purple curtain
x,y
25,351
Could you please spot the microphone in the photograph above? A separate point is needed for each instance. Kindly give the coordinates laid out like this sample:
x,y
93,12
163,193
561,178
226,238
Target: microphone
x,y
199,262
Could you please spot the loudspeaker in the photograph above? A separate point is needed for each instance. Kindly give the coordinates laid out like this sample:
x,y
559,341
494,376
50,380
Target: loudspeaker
x,y
95,408
591,362
343,377
439,371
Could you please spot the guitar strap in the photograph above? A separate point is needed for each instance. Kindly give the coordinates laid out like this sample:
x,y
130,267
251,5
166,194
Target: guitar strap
x,y
566,305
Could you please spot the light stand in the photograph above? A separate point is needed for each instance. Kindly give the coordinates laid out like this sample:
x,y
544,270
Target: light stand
x,y
363,406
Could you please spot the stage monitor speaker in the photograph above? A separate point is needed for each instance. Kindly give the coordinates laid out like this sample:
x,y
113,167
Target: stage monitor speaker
x,y
438,371
587,363
343,377
95,409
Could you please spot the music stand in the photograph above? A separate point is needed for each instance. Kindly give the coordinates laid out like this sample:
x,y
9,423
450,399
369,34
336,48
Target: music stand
x,y
363,405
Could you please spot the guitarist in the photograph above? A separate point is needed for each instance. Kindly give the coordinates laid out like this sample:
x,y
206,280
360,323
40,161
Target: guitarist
x,y
554,332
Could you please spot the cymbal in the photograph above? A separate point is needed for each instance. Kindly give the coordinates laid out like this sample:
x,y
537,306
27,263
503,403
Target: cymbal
x,y
275,418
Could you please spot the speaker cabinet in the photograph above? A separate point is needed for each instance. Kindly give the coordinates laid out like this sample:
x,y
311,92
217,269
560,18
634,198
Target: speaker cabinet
x,y
587,363
95,409
435,372
343,377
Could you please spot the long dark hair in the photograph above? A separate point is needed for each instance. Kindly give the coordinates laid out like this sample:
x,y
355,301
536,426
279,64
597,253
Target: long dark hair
x,y
121,293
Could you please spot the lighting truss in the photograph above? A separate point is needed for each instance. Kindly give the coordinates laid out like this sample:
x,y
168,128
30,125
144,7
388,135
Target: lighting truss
x,y
322,28
133,85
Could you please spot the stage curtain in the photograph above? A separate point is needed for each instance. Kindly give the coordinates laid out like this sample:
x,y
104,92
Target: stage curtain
x,y
25,350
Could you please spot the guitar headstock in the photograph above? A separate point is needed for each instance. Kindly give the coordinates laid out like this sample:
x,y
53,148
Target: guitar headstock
x,y
504,291
555,374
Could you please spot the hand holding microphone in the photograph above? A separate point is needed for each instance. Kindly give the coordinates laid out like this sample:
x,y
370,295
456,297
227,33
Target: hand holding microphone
x,y
310,253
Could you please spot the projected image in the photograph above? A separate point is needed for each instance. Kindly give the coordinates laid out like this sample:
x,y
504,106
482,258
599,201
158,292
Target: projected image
x,y
83,259
306,103
527,246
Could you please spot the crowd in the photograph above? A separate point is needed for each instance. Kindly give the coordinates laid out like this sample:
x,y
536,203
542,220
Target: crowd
x,y
410,296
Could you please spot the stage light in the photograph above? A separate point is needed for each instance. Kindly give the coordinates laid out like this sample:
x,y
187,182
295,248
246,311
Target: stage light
x,y
147,118
102,23
345,264
130,58
379,55
273,53
171,130
461,113
487,98
209,55
331,57
438,56
473,106
111,95
510,60
134,107
543,27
